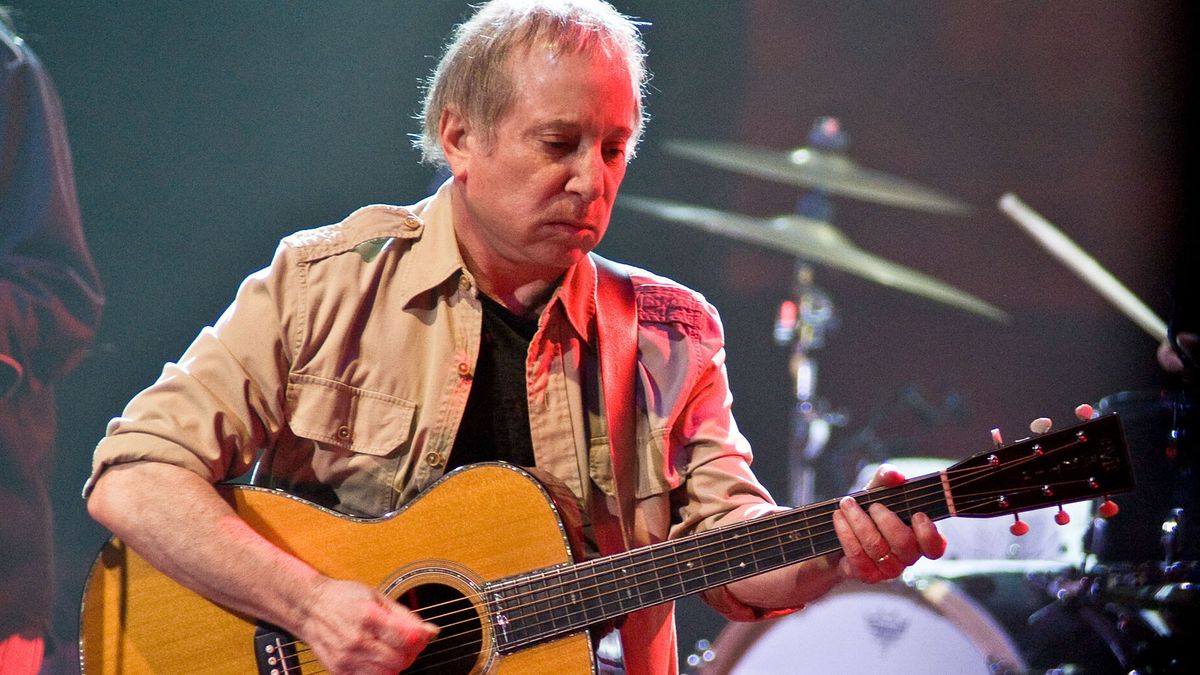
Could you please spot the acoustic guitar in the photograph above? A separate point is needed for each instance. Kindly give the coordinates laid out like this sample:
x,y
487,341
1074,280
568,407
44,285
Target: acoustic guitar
x,y
484,554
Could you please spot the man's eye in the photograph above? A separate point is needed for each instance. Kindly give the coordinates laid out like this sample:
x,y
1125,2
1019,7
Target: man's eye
x,y
615,153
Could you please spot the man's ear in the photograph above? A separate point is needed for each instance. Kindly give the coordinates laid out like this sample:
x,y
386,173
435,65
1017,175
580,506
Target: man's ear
x,y
457,142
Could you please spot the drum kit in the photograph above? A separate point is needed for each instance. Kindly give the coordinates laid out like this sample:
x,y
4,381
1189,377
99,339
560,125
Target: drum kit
x,y
1094,596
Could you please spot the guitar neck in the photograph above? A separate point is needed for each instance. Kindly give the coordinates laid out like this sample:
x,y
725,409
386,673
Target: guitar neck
x,y
550,603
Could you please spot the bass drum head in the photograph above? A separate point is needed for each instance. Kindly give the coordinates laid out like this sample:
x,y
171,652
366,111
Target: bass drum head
x,y
885,628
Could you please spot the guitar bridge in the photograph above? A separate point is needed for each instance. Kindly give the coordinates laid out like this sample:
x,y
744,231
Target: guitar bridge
x,y
274,650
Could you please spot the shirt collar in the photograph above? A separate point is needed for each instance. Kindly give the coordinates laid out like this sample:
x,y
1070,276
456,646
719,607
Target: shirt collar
x,y
576,295
434,257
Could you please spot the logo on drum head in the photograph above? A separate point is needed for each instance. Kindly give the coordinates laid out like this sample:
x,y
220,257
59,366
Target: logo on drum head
x,y
887,627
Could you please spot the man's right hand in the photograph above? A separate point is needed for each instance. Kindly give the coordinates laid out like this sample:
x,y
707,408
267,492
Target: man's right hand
x,y
353,628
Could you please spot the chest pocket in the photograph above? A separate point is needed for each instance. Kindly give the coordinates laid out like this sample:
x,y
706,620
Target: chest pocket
x,y
353,419
651,448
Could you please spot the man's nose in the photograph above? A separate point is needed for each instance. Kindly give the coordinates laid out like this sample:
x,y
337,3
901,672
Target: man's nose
x,y
587,175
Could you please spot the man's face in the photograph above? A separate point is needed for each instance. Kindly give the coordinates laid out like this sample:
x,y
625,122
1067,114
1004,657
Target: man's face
x,y
539,196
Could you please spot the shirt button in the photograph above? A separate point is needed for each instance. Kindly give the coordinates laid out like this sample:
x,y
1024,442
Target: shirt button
x,y
464,369
343,432
464,283
411,223
433,459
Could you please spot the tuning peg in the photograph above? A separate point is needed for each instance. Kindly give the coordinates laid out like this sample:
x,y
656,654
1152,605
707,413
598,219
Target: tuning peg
x,y
1041,425
1108,509
1019,528
1062,517
1084,412
996,439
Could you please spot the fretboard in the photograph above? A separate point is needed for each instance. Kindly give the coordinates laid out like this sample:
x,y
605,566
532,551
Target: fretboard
x,y
556,601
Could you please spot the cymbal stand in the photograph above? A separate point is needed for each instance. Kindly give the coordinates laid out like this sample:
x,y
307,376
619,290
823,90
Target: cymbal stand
x,y
803,322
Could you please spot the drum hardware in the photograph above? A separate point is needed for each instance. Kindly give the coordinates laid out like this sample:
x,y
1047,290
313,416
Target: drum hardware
x,y
1119,618
1156,523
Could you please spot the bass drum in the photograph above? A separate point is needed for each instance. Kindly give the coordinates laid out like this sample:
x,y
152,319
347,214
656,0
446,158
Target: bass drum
x,y
859,628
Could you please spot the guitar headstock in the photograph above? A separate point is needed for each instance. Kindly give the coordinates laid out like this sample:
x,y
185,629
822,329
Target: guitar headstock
x,y
1084,461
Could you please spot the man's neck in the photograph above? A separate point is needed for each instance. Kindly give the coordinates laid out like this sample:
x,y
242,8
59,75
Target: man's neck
x,y
527,300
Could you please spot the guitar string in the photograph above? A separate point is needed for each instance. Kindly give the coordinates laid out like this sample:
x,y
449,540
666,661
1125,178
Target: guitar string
x,y
458,602
465,606
777,523
547,596
472,650
933,487
553,621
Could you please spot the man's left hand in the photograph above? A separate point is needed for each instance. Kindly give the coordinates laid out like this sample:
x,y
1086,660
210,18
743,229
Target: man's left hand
x,y
877,544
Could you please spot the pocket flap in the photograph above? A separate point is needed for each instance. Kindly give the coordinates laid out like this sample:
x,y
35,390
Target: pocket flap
x,y
358,420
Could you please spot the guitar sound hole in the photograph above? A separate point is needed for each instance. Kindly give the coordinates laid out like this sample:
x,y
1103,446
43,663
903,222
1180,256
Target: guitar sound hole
x,y
457,648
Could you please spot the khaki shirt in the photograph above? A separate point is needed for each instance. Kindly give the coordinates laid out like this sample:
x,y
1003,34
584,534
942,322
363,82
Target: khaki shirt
x,y
341,373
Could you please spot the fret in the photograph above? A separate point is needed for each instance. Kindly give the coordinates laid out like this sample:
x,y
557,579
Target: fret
x,y
673,569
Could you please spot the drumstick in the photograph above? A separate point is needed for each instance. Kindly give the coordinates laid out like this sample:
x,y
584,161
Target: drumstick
x,y
1083,265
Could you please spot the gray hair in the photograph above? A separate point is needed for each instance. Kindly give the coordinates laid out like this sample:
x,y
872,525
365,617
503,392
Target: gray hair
x,y
473,77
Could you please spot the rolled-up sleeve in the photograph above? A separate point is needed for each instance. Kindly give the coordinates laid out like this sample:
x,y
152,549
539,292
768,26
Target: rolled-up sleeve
x,y
223,400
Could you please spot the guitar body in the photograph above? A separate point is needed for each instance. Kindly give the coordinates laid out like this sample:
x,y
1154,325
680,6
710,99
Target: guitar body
x,y
478,524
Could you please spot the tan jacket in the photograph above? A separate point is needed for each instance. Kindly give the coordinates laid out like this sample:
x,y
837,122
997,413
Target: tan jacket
x,y
341,373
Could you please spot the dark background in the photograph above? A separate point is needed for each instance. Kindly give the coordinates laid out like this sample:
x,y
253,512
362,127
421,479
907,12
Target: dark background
x,y
203,132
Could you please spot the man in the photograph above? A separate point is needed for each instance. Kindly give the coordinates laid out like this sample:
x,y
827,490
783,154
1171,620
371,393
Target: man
x,y
50,301
373,355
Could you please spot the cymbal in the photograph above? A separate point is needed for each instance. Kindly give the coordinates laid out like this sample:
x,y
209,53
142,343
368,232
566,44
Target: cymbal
x,y
820,169
815,241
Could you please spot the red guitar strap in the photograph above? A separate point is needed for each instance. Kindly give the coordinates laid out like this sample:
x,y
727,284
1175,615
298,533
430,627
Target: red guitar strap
x,y
647,635
616,327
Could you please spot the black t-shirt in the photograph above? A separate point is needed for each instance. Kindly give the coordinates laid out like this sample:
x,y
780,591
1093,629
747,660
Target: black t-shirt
x,y
495,425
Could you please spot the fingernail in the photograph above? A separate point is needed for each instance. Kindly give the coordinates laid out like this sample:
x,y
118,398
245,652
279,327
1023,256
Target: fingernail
x,y
847,502
920,518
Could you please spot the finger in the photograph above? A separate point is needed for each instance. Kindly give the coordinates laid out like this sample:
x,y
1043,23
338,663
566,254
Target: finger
x,y
886,475
930,540
857,564
902,543
876,549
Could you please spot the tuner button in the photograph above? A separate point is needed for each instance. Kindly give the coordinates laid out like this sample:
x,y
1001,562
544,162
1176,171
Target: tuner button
x,y
1109,508
996,439
1062,517
1019,528
1041,425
